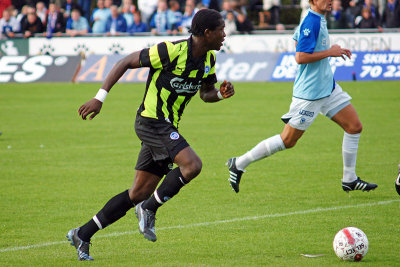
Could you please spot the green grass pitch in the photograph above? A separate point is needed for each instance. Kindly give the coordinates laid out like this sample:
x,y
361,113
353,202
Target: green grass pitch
x,y
57,171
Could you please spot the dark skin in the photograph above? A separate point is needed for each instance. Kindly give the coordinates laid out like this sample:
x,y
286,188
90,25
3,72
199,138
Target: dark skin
x,y
188,161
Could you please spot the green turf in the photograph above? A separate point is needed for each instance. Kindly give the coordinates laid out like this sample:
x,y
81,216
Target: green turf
x,y
57,171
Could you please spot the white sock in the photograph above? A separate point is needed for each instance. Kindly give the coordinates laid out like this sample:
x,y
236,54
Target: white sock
x,y
263,149
349,150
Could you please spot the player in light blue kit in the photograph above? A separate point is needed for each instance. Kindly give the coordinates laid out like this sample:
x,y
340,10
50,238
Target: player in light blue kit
x,y
314,91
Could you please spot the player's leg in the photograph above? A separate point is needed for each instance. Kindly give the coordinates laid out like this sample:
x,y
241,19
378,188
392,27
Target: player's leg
x,y
143,186
348,119
189,166
301,115
287,139
339,109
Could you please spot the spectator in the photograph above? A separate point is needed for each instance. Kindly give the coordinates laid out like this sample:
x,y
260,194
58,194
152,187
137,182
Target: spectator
x,y
270,13
138,25
77,25
187,17
366,20
68,6
147,8
337,19
239,6
227,7
391,15
4,4
352,11
108,3
127,10
211,4
8,24
116,23
41,11
32,24
230,23
370,5
163,20
22,14
243,24
100,16
174,8
85,6
55,22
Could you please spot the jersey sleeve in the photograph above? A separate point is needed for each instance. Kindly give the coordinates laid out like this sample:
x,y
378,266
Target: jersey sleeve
x,y
209,70
156,57
308,34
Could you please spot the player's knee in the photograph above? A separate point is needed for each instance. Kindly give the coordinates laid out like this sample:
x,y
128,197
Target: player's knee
x,y
354,128
192,169
138,195
289,142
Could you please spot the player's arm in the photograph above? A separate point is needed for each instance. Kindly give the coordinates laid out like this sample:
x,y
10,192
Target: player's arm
x,y
334,51
94,105
208,92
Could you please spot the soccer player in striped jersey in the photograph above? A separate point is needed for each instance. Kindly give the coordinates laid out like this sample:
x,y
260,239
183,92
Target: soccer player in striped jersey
x,y
177,71
315,91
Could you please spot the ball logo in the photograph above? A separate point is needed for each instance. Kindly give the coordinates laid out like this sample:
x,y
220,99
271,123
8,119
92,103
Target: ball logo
x,y
174,136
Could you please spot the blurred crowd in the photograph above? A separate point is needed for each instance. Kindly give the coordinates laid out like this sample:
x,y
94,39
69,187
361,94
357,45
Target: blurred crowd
x,y
121,17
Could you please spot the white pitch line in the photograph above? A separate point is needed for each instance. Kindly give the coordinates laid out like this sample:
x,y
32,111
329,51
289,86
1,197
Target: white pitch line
x,y
214,223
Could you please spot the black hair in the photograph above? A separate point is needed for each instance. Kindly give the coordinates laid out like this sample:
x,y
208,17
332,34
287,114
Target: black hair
x,y
205,19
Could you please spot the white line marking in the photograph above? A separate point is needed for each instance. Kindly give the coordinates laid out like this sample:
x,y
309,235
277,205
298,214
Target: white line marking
x,y
214,223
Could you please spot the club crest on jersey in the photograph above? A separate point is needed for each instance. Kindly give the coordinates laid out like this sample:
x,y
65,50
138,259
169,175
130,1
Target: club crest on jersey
x,y
306,31
174,136
207,69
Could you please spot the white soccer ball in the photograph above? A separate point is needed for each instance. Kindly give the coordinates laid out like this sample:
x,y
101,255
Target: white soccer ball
x,y
350,244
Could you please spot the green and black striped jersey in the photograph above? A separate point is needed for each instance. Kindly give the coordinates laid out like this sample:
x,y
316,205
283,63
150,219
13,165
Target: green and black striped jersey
x,y
174,78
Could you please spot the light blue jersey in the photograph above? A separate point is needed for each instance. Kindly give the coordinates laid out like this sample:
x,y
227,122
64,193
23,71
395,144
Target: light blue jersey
x,y
314,80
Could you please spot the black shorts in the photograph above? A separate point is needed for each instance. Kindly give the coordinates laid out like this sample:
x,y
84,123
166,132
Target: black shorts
x,y
161,142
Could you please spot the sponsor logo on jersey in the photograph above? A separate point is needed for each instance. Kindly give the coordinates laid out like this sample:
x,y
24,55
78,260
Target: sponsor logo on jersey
x,y
182,86
306,113
306,31
174,136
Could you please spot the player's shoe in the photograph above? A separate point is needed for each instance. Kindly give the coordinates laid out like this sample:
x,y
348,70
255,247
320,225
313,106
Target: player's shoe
x,y
82,247
397,183
147,220
358,185
234,174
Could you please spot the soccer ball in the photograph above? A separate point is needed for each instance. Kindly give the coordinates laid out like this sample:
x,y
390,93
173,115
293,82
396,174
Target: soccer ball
x,y
350,244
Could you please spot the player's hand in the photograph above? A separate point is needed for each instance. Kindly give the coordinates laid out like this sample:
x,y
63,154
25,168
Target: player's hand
x,y
226,89
337,51
93,106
